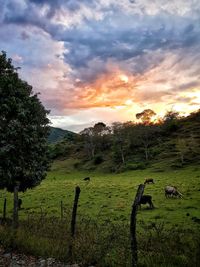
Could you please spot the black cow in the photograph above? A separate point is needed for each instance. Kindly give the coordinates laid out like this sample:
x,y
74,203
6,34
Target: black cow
x,y
149,181
146,199
86,179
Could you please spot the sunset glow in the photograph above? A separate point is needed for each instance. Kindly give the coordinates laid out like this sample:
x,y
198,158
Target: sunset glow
x,y
105,60
123,78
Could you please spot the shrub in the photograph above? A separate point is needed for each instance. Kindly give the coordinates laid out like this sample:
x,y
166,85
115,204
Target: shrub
x,y
104,244
98,159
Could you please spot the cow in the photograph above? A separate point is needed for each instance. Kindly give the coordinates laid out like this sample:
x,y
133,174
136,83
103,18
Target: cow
x,y
171,191
149,181
86,179
146,199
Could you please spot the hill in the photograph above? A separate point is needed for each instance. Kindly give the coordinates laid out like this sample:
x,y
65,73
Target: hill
x,y
57,134
171,143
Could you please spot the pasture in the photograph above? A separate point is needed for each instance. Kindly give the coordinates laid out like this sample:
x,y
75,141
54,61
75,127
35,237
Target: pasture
x,y
108,197
102,236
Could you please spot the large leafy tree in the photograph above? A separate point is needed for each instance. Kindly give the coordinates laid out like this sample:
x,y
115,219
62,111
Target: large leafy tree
x,y
23,133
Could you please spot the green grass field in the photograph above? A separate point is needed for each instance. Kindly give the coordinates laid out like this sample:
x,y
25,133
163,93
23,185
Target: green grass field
x,y
110,196
102,235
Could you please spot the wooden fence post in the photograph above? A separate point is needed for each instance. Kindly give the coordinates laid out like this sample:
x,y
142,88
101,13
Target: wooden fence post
x,y
4,210
73,220
15,209
133,225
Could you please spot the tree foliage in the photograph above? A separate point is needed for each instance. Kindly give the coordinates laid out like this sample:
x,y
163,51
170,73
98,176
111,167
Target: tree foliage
x,y
95,138
146,115
132,145
23,131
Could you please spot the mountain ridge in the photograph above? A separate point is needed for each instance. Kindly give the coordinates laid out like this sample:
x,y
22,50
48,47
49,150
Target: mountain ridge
x,y
58,134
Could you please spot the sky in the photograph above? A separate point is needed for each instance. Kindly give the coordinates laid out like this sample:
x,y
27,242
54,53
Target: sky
x,y
105,60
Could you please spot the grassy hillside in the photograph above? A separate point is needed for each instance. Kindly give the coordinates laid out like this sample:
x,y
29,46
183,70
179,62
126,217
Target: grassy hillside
x,y
110,196
104,213
175,142
103,221
57,134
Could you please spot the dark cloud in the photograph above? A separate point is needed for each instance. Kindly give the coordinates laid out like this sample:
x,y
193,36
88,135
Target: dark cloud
x,y
185,99
189,86
23,15
103,40
117,37
56,5
99,34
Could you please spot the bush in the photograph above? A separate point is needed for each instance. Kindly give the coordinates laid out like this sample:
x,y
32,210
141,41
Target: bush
x,y
98,159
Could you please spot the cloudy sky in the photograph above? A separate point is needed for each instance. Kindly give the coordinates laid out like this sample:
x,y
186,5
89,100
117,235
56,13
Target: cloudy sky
x,y
105,60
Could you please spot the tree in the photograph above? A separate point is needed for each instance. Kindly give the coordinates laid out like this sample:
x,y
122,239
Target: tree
x,y
147,135
171,115
88,138
182,148
23,134
171,121
146,116
96,138
99,129
101,134
119,140
145,130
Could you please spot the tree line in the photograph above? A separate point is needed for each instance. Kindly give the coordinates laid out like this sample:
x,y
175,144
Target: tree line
x,y
135,141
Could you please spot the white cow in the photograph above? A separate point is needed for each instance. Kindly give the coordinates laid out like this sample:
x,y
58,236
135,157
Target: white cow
x,y
171,191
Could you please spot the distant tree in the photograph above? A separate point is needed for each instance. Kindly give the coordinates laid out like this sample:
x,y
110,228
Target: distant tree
x,y
194,144
88,138
170,121
171,115
182,148
119,140
96,138
23,134
195,116
144,135
147,135
99,128
146,116
145,130
101,134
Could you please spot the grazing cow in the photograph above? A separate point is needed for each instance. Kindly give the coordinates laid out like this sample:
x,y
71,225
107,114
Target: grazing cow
x,y
86,179
19,203
171,191
149,181
146,199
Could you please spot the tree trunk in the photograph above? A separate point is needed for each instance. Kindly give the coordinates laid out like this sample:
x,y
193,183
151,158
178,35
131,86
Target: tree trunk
x,y
182,158
133,225
93,150
15,209
122,154
146,153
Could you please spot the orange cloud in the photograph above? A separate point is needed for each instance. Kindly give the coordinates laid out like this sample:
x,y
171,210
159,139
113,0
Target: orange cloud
x,y
119,90
108,90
